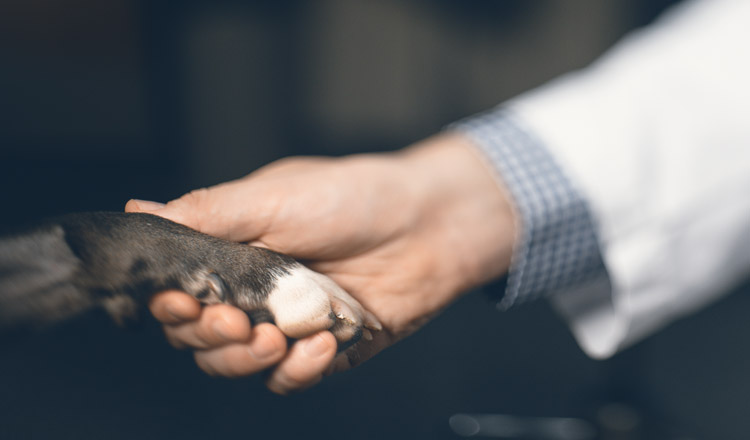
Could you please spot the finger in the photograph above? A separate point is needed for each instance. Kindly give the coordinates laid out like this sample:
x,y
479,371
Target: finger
x,y
340,363
236,210
135,205
218,325
360,352
266,347
303,367
174,307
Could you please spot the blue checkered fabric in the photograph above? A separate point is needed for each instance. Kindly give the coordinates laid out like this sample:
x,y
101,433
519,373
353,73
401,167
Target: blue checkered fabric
x,y
557,246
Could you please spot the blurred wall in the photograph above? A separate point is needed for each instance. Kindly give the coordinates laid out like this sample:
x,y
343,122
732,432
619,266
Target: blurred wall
x,y
207,91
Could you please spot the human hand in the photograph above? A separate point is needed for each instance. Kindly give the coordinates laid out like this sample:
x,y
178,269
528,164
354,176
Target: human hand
x,y
404,233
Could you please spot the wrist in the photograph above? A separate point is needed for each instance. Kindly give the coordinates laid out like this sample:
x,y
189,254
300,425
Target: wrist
x,y
471,206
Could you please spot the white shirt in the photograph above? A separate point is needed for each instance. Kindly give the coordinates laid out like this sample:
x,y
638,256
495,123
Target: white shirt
x,y
655,138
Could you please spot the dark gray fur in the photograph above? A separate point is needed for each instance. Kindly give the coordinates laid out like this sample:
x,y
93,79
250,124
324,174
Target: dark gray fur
x,y
71,264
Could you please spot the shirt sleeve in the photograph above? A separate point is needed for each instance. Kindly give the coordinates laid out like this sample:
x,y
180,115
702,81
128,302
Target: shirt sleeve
x,y
646,153
557,245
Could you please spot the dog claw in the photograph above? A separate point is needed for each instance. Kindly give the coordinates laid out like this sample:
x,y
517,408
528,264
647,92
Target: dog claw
x,y
304,302
366,335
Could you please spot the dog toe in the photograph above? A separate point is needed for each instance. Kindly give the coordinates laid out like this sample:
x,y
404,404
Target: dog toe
x,y
304,302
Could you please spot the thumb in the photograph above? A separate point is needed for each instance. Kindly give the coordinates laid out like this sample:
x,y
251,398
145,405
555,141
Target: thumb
x,y
228,211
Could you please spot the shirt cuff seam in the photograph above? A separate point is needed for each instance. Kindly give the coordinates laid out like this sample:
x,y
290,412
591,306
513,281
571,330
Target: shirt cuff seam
x,y
557,245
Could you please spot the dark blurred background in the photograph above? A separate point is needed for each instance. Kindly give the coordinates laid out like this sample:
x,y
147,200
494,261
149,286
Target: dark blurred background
x,y
104,101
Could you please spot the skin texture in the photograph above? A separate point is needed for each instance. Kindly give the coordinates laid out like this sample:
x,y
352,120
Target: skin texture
x,y
405,233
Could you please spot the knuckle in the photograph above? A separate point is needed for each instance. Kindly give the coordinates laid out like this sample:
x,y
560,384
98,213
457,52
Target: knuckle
x,y
194,197
188,205
189,335
173,340
234,370
234,364
202,361
283,383
279,383
297,377
223,324
205,337
276,388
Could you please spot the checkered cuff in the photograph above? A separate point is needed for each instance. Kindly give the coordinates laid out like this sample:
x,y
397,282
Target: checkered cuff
x,y
557,246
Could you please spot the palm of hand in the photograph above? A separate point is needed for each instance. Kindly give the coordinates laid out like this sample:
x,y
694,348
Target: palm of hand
x,y
404,234
357,224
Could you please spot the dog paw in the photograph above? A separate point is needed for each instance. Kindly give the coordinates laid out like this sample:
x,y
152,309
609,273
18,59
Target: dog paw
x,y
304,302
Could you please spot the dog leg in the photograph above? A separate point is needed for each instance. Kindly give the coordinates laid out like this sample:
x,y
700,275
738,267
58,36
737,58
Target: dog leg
x,y
118,260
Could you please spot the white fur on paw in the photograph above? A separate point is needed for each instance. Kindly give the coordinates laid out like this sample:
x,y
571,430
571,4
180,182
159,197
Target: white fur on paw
x,y
305,302
299,304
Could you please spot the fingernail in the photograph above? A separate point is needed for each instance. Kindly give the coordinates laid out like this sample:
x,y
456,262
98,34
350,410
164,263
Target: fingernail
x,y
147,205
262,347
316,346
